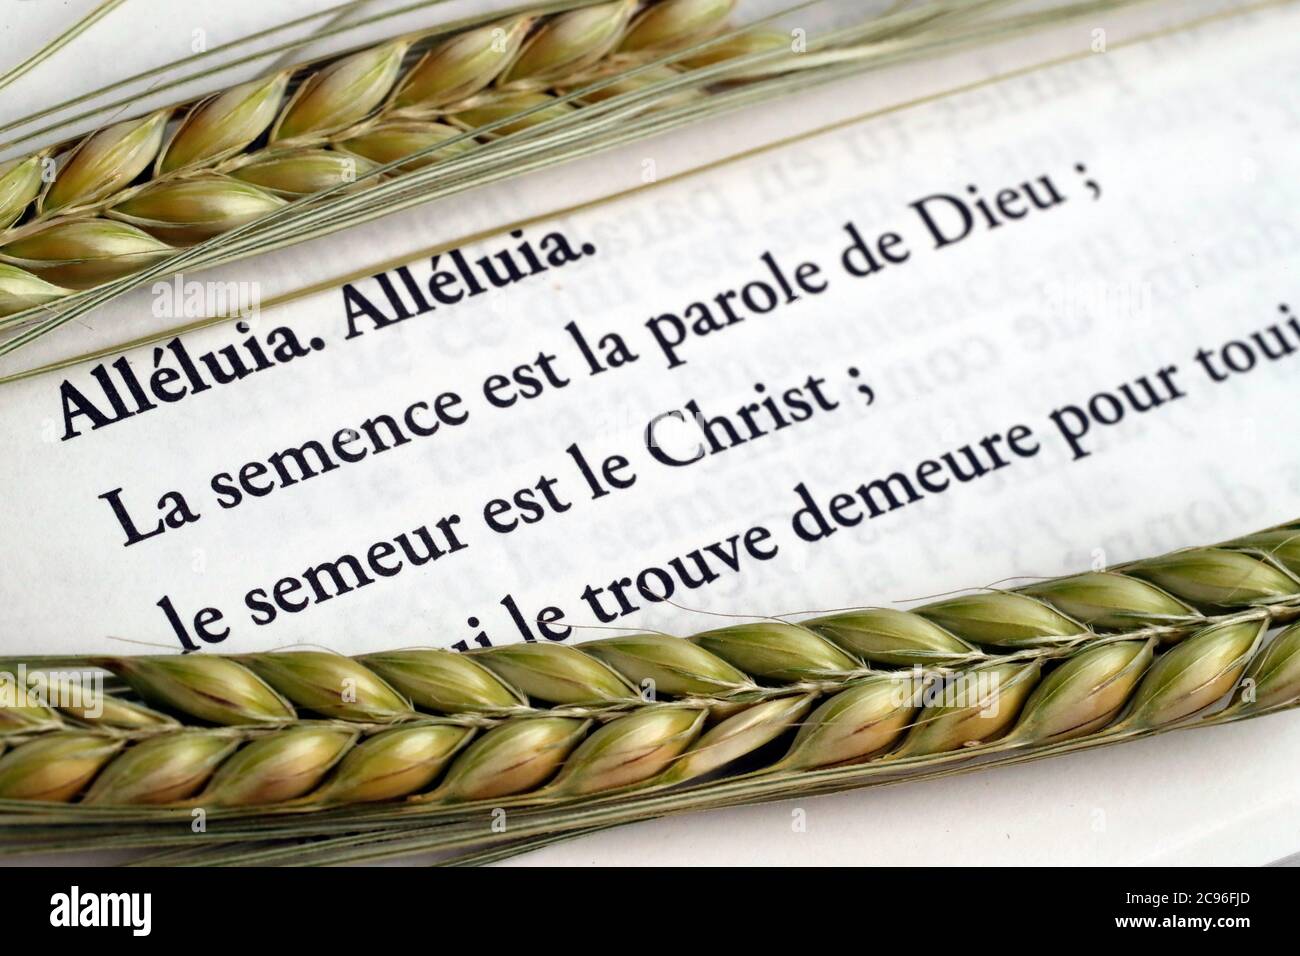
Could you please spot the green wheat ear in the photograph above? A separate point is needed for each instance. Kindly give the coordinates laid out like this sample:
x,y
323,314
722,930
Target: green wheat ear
x,y
235,157
315,148
302,742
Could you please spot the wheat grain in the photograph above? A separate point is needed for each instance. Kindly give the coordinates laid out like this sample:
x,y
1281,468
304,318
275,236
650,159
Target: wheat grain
x,y
558,674
21,290
55,767
20,183
336,124
674,667
300,172
1218,577
445,683
887,636
1195,673
740,734
741,45
568,43
331,685
1109,600
1085,693
627,751
985,711
82,253
517,756
16,718
163,770
673,26
89,708
209,688
185,211
394,763
1273,677
103,163
858,722
223,124
390,142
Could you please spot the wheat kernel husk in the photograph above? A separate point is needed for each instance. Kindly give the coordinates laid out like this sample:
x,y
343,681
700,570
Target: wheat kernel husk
x,y
1215,577
277,768
20,181
211,688
55,767
20,290
224,123
992,711
673,24
393,764
495,107
301,172
164,770
738,735
777,651
27,719
1280,544
669,665
1085,693
1273,677
515,757
852,725
556,673
628,750
341,94
82,253
887,636
96,709
331,685
183,212
390,142
568,43
121,714
104,162
1107,600
1193,674
1002,619
444,681
461,66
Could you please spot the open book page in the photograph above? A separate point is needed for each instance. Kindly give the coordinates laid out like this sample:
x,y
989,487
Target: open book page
x,y
1045,323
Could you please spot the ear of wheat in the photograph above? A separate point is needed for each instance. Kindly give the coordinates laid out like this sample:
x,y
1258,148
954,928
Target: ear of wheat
x,y
309,150
129,195
408,749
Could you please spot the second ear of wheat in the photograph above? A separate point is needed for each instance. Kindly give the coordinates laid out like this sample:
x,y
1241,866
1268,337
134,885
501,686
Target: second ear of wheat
x,y
130,195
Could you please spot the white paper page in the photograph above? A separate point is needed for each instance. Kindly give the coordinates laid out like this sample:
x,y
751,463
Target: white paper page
x,y
1177,236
